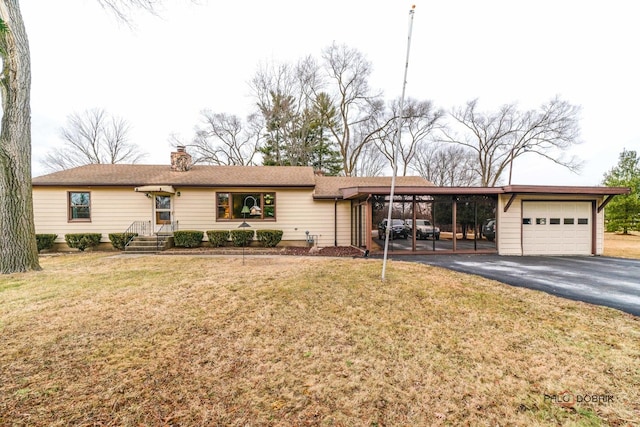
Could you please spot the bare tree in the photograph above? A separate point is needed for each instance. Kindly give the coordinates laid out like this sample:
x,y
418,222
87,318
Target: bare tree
x,y
299,117
287,94
275,78
349,72
371,162
446,166
277,88
122,9
93,137
498,138
419,120
18,250
225,140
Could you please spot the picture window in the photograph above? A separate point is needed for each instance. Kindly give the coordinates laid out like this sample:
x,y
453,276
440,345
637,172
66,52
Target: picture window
x,y
246,206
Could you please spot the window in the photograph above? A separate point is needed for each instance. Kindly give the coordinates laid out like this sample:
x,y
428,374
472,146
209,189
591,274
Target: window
x,y
253,206
541,221
568,221
554,221
79,206
526,221
583,221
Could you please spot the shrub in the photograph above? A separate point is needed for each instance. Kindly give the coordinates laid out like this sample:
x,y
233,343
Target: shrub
x,y
241,237
218,238
187,238
82,241
269,238
45,241
120,240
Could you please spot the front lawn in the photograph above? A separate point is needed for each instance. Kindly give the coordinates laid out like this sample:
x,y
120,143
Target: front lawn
x,y
103,339
622,245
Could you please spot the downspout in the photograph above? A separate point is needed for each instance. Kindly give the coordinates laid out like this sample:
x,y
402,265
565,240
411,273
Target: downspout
x,y
594,228
335,222
368,222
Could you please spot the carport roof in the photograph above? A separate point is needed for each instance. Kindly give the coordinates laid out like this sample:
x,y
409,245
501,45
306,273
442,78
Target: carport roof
x,y
363,191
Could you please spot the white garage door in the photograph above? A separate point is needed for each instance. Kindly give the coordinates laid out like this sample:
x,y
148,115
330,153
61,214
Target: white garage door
x,y
556,228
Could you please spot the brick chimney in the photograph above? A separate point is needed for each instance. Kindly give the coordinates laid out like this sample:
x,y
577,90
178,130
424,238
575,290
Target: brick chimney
x,y
180,160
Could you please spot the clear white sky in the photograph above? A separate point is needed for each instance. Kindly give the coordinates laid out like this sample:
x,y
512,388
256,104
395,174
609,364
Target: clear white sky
x,y
160,75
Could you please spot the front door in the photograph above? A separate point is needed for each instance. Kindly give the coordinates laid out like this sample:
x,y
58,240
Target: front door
x,y
162,210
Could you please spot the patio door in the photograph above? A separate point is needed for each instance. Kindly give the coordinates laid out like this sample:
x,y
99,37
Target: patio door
x,y
162,210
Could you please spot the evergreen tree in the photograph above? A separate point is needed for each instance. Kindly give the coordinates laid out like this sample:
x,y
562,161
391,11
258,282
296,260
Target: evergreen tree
x,y
325,156
300,139
623,213
279,118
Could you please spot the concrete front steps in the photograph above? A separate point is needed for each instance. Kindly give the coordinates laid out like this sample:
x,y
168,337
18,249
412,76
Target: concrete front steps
x,y
149,244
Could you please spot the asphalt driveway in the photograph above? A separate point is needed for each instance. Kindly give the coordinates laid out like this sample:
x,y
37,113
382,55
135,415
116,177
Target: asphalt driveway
x,y
612,282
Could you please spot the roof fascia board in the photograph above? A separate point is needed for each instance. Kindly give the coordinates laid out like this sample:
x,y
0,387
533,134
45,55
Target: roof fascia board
x,y
84,184
556,189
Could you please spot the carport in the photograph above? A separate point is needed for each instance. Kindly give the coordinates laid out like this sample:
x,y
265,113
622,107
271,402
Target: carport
x,y
529,220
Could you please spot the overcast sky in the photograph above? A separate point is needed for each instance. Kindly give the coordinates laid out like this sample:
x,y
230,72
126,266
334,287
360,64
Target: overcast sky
x,y
161,74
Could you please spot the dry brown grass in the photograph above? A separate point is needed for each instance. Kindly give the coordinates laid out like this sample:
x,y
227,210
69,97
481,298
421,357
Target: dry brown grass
x,y
290,341
622,245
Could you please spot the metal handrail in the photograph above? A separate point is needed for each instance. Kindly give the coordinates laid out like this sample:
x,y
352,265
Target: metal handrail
x,y
165,229
137,228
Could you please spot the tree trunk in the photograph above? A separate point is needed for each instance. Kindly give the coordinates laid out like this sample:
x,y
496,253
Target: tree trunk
x,y
18,250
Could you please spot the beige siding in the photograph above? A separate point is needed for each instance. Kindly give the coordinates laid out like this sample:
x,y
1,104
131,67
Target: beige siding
x,y
195,209
509,229
296,212
112,210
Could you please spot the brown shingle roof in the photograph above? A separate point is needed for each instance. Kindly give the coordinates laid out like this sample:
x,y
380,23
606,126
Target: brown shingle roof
x,y
330,186
197,176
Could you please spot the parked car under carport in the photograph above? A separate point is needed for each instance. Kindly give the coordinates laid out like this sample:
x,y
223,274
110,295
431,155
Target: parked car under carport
x,y
424,229
398,229
489,229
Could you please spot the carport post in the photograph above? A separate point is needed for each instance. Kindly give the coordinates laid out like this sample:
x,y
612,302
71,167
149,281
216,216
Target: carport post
x,y
454,219
475,225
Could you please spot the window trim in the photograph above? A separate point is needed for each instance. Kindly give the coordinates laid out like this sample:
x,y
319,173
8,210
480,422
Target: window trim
x,y
70,207
231,194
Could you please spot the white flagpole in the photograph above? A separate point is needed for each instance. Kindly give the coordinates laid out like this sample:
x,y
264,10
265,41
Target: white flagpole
x,y
396,147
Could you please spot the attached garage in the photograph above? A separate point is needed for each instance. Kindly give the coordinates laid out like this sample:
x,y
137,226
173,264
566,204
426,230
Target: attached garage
x,y
557,227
